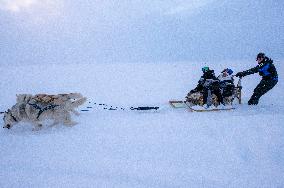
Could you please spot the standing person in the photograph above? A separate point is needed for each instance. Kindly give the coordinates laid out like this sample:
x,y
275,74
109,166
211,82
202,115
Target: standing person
x,y
267,70
208,82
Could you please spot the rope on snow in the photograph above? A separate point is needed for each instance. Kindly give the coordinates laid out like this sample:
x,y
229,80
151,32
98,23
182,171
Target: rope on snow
x,y
111,107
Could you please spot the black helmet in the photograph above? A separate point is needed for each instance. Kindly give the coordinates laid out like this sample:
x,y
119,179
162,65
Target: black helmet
x,y
260,55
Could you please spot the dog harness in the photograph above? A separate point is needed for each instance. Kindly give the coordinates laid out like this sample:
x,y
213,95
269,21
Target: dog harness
x,y
14,118
41,110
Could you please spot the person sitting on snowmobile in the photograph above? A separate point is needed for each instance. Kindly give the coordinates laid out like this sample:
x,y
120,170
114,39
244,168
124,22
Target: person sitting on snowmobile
x,y
226,82
267,70
208,82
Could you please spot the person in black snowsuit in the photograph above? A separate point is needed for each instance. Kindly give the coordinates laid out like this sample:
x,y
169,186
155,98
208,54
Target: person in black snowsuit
x,y
267,70
208,81
226,82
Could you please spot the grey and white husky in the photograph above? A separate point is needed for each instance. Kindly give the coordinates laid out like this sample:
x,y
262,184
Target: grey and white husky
x,y
36,108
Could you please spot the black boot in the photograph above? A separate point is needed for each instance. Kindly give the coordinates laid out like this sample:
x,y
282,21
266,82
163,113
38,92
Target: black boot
x,y
253,100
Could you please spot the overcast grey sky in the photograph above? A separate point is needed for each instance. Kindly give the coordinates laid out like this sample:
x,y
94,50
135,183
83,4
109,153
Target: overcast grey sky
x,y
42,31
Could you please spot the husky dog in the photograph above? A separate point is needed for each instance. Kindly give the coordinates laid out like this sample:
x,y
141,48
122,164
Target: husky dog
x,y
36,108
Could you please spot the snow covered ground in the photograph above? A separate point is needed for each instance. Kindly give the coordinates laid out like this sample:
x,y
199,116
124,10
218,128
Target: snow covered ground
x,y
168,148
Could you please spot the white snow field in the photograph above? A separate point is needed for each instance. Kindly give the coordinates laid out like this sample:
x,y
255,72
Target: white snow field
x,y
166,148
130,53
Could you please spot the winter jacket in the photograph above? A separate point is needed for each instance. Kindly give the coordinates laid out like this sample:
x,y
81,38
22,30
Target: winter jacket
x,y
266,69
226,85
225,80
208,79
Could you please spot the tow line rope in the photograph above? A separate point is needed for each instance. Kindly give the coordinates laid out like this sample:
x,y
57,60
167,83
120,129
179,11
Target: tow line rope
x,y
113,108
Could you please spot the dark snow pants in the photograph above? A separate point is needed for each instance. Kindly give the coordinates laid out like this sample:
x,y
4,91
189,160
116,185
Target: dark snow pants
x,y
214,90
263,87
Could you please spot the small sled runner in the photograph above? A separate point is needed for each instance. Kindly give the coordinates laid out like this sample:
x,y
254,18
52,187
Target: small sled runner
x,y
183,104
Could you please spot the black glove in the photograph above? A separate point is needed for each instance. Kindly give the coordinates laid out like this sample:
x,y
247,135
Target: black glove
x,y
240,74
